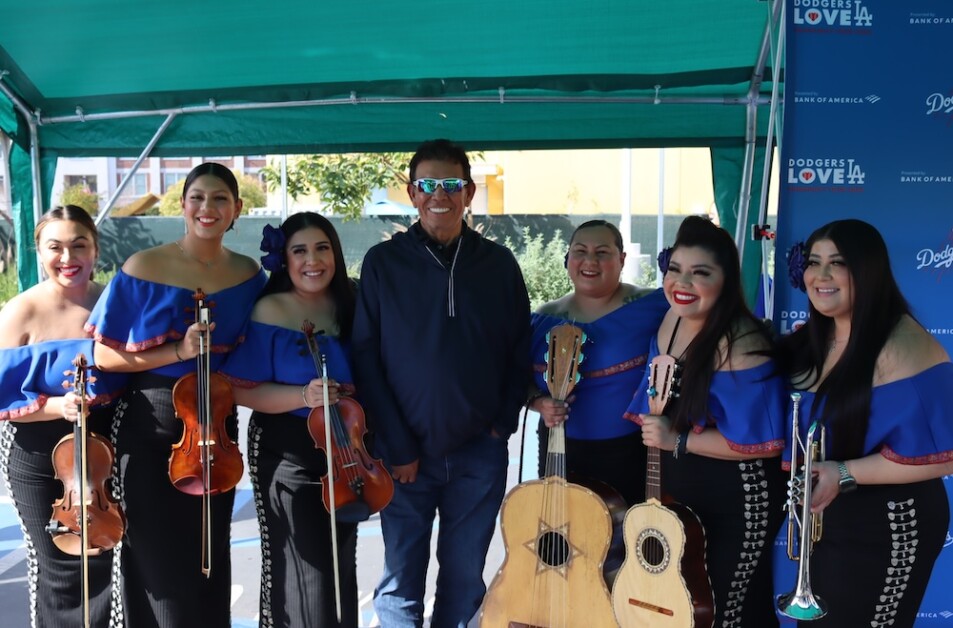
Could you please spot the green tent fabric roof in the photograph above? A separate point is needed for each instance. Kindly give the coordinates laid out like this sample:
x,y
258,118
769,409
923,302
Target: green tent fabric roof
x,y
491,74
185,78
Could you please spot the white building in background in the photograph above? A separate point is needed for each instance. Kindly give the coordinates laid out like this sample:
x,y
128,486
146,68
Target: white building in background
x,y
102,175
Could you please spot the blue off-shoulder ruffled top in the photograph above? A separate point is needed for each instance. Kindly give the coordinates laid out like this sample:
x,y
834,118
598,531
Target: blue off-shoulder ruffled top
x,y
34,373
746,406
277,354
134,315
911,419
614,358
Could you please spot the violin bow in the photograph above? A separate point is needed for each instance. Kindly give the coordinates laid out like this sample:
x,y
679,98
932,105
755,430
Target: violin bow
x,y
82,465
321,366
204,374
331,504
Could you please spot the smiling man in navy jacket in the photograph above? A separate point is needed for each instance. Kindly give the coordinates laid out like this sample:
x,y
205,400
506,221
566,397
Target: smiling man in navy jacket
x,y
441,355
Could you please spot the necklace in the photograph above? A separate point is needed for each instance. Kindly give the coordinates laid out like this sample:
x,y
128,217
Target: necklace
x,y
208,264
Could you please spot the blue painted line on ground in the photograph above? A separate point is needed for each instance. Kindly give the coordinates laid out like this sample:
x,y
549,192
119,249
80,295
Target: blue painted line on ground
x,y
243,495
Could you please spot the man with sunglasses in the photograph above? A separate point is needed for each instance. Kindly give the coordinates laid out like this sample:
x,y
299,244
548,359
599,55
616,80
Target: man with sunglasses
x,y
441,356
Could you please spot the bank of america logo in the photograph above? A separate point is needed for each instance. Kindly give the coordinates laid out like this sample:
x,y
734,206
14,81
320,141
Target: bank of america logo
x,y
872,98
946,614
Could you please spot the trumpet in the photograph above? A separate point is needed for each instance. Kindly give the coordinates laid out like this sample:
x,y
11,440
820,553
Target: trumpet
x,y
801,603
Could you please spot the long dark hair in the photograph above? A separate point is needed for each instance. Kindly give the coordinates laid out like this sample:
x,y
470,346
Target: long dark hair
x,y
878,307
725,320
72,213
342,288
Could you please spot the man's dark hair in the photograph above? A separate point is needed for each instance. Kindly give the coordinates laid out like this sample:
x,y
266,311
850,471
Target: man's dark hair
x,y
440,150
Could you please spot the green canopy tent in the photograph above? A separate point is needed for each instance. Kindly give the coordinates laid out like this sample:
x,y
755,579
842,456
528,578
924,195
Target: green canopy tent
x,y
179,78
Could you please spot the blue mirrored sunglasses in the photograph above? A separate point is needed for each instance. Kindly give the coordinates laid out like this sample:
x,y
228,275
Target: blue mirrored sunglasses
x,y
450,186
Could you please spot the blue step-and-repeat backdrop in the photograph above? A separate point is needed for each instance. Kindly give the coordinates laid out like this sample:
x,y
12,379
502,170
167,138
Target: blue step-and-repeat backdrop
x,y
868,133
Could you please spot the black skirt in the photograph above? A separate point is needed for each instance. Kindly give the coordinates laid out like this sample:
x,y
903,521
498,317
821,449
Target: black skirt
x,y
286,470
617,462
163,583
55,577
741,507
874,560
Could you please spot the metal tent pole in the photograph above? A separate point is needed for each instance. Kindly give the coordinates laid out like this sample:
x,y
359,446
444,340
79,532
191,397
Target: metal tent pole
x,y
766,285
32,125
751,130
135,167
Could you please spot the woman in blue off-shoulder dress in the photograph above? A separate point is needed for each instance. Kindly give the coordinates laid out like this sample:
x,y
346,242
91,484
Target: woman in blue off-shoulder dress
x,y
41,333
882,387
723,435
274,374
618,320
143,325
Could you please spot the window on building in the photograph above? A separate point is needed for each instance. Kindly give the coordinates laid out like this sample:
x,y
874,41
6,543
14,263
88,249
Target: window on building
x,y
88,181
171,178
139,184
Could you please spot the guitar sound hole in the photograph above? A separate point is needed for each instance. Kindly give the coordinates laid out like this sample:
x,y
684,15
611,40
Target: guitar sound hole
x,y
552,549
652,551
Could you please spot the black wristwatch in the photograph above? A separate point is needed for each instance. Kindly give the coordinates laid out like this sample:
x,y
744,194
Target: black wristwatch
x,y
847,482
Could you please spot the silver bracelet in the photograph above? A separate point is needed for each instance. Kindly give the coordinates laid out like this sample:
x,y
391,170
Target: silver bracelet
x,y
304,396
678,441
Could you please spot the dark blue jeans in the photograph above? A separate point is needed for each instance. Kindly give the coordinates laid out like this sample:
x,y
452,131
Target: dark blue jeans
x,y
465,488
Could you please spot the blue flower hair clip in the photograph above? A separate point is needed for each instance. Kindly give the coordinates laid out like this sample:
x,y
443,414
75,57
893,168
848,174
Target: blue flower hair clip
x,y
272,243
797,262
664,257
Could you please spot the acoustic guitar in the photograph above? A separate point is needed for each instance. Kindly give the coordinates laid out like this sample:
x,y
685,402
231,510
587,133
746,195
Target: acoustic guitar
x,y
663,582
556,534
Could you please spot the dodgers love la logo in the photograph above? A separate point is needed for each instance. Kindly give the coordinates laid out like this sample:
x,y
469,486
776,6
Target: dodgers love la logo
x,y
825,172
831,13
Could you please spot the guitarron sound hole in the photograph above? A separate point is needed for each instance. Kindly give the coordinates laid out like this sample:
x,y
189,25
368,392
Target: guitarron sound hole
x,y
552,549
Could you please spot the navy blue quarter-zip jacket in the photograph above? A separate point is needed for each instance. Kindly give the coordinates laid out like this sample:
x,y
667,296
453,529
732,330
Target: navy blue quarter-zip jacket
x,y
441,343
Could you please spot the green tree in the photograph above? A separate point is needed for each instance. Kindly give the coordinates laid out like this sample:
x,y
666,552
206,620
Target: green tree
x,y
248,188
81,196
344,182
542,265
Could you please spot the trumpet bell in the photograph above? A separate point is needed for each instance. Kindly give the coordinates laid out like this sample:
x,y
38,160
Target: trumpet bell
x,y
803,606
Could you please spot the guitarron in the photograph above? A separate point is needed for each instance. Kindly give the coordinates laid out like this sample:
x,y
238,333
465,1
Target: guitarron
x,y
556,534
663,582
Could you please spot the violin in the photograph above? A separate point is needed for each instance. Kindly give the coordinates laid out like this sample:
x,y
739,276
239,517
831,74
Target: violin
x,y
205,461
361,485
86,520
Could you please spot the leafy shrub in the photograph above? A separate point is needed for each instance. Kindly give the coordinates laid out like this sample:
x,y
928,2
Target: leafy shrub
x,y
81,196
542,266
